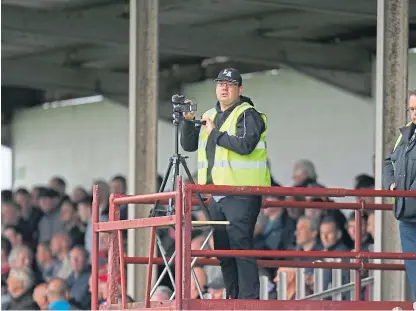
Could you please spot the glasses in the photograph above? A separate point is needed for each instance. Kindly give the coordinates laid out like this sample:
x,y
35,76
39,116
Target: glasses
x,y
226,84
411,109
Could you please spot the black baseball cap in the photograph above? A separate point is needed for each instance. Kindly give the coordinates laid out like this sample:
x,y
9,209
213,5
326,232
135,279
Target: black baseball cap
x,y
230,75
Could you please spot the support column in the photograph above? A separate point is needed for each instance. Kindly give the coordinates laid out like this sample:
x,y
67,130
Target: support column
x,y
143,73
391,102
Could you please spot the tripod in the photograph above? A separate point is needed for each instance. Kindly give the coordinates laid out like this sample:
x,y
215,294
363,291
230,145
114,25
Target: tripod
x,y
175,161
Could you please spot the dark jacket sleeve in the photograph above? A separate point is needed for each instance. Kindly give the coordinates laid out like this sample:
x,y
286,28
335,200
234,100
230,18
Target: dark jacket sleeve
x,y
190,136
388,173
250,126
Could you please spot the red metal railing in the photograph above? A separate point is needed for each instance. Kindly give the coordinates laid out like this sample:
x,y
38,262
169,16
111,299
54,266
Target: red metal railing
x,y
184,201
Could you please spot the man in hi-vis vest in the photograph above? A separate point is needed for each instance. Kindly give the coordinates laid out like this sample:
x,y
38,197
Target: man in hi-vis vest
x,y
232,151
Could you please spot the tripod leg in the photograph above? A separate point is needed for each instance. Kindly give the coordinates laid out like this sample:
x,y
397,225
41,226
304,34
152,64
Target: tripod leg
x,y
162,187
201,201
171,207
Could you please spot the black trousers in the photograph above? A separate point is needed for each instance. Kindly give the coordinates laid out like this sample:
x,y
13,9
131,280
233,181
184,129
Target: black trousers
x,y
241,277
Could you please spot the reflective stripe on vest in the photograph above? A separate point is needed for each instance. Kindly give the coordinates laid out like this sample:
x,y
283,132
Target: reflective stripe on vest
x,y
230,168
260,145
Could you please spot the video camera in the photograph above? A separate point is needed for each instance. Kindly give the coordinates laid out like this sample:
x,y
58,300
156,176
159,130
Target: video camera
x,y
179,104
179,107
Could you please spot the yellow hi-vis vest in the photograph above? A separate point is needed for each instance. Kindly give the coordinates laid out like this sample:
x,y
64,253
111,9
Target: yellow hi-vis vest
x,y
231,168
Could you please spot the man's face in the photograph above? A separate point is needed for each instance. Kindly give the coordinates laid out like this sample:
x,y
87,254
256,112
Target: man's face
x,y
46,204
84,212
412,108
23,201
117,186
78,260
42,254
351,228
23,259
299,175
303,232
9,214
13,285
228,92
329,234
39,296
67,212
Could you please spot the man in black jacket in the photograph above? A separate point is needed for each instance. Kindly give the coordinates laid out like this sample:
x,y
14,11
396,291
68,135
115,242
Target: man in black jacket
x,y
232,151
400,174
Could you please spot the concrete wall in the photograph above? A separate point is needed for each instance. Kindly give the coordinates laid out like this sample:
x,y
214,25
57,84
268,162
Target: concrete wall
x,y
307,119
81,143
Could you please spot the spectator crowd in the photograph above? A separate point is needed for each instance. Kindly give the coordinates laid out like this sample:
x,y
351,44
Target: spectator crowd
x,y
47,241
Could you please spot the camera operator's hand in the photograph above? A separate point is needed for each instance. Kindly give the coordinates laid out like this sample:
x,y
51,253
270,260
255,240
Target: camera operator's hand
x,y
209,125
188,115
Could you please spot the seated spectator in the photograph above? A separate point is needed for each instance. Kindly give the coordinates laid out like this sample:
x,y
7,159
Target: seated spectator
x,y
78,279
307,230
47,264
278,233
11,217
58,295
304,175
85,215
39,296
118,185
60,247
50,223
366,238
71,221
20,285
338,215
79,194
162,293
30,214
34,195
363,182
58,184
25,258
331,240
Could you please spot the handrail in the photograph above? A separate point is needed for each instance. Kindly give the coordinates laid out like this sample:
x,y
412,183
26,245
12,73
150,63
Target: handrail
x,y
338,290
184,200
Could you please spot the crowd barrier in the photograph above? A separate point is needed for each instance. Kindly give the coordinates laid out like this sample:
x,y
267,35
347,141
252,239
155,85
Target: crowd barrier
x,y
184,200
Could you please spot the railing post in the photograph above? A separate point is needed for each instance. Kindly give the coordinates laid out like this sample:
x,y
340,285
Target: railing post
x,y
95,243
113,255
186,246
357,247
150,267
178,242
